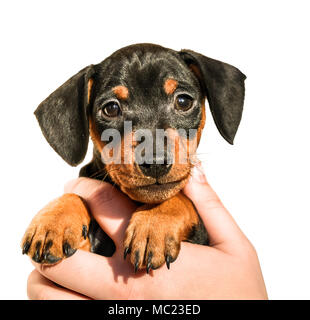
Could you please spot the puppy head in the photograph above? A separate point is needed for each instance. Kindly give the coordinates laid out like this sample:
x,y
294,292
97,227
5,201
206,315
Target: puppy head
x,y
150,100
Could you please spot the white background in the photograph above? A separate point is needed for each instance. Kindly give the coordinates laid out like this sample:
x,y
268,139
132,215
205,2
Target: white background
x,y
263,179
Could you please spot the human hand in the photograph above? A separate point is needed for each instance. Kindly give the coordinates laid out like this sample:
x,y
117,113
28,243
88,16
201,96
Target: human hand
x,y
227,269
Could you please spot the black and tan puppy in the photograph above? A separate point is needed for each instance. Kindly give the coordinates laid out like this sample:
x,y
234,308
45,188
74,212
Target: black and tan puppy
x,y
152,88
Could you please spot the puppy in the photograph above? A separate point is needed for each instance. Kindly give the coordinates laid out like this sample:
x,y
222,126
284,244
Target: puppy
x,y
148,87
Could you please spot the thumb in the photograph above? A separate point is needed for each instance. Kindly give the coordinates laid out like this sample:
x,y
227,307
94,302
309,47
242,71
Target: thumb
x,y
221,227
109,207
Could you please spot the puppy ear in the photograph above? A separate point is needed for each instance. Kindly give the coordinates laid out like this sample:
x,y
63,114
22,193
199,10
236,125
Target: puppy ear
x,y
224,88
63,120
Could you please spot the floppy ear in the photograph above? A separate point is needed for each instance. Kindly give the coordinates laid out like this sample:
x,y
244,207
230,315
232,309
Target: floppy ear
x,y
63,120
224,88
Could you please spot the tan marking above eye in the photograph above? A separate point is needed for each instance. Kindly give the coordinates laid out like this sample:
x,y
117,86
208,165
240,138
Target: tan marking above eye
x,y
170,85
121,92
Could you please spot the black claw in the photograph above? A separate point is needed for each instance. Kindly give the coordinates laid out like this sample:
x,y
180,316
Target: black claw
x,y
126,251
45,255
148,267
137,256
49,258
37,257
149,262
68,250
26,247
48,245
136,267
84,231
168,260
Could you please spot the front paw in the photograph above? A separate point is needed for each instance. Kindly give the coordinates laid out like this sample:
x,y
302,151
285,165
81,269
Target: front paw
x,y
151,240
57,231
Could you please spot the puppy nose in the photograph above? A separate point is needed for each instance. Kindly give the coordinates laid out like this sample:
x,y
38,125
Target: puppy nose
x,y
155,170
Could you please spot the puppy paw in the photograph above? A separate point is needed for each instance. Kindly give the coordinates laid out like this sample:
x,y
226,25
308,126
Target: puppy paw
x,y
57,231
151,240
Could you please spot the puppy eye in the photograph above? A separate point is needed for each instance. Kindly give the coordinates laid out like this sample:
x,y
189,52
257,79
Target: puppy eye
x,y
110,109
183,102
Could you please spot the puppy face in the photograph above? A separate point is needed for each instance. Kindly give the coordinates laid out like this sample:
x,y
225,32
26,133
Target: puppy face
x,y
152,89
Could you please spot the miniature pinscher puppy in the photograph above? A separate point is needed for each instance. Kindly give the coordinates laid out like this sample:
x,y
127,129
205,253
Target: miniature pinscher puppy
x,y
150,87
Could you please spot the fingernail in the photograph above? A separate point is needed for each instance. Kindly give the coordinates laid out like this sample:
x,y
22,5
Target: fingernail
x,y
198,174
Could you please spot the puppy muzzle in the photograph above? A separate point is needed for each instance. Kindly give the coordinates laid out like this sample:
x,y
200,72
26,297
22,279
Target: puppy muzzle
x,y
155,170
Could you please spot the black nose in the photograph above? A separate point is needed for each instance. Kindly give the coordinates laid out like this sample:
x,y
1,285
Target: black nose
x,y
155,170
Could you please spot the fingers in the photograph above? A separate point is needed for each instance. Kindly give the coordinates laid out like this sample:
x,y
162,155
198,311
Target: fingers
x,y
111,208
40,288
221,227
92,275
102,278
